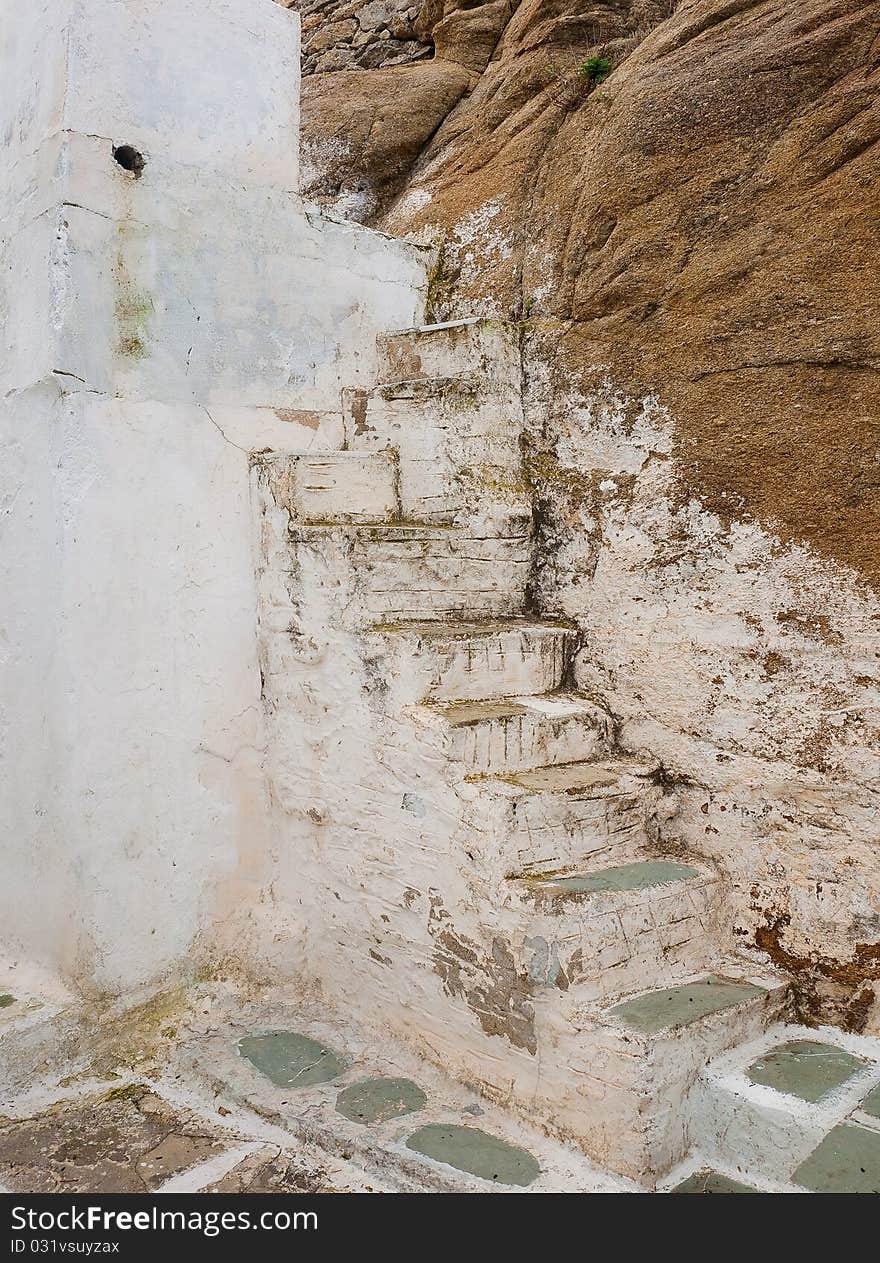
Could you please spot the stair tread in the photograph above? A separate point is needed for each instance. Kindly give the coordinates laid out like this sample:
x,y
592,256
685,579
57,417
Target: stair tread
x,y
640,875
543,705
427,387
442,326
409,530
672,1008
572,778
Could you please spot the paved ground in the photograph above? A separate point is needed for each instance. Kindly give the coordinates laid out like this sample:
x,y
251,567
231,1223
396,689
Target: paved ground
x,y
270,1097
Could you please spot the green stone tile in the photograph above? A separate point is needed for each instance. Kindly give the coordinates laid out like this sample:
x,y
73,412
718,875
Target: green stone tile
x,y
871,1103
804,1068
847,1161
679,1006
478,1153
711,1182
6,1000
624,877
377,1100
292,1060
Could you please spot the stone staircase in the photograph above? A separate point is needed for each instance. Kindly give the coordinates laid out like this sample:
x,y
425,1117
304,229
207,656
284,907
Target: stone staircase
x,y
588,973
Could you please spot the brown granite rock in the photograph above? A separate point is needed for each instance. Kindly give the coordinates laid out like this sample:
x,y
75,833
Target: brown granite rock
x,y
368,112
364,129
705,222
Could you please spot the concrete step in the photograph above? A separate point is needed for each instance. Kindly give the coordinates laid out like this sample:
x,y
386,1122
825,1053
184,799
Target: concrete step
x,y
625,1072
449,401
415,571
458,661
458,445
767,1105
475,347
513,734
564,818
610,930
337,487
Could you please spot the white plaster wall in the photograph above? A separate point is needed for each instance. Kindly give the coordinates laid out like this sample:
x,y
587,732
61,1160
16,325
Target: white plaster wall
x,y
132,736
196,287
747,665
207,83
153,332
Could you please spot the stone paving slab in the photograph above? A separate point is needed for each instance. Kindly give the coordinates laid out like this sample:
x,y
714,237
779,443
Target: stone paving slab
x,y
639,876
127,1141
292,1060
711,1182
805,1068
675,1007
378,1100
472,1150
269,1171
847,1161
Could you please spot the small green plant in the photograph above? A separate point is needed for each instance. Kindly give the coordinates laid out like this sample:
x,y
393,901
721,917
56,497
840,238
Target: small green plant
x,y
595,69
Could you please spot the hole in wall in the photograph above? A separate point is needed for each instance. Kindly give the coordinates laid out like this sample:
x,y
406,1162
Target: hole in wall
x,y
130,159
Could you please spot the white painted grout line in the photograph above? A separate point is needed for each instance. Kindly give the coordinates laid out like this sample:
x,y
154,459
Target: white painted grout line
x,y
208,1172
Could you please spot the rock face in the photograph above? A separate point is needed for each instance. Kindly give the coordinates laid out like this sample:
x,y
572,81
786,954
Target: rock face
x,y
706,217
692,245
368,114
353,35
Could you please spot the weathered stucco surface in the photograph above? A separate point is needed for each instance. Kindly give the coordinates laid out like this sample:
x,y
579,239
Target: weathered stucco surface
x,y
691,245
420,668
154,330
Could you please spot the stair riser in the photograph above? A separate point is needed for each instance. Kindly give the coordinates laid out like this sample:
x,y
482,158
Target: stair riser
x,y
478,347
612,944
471,578
403,575
511,662
549,833
453,458
343,488
518,743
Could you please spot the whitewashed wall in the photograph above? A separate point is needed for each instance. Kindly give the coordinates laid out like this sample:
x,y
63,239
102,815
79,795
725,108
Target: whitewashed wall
x,y
153,332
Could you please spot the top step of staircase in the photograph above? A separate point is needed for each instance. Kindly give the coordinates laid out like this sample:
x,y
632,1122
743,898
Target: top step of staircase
x,y
481,348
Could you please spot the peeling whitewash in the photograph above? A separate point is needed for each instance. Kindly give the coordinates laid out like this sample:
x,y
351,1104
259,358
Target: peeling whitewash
x,y
748,666
315,671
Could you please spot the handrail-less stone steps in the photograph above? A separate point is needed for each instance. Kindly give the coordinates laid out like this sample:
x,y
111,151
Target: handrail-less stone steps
x,y
767,1105
618,1076
531,843
565,817
512,734
418,571
459,661
606,930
